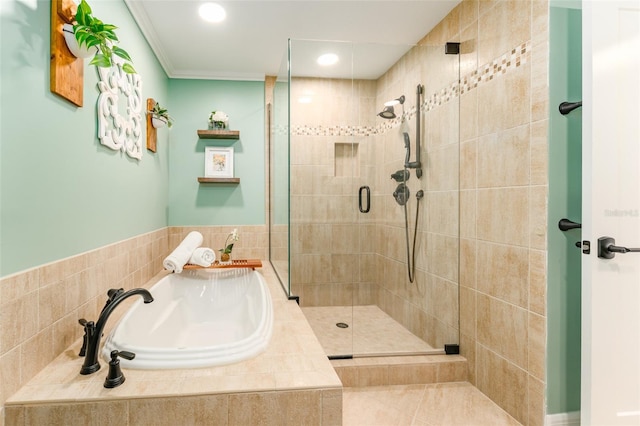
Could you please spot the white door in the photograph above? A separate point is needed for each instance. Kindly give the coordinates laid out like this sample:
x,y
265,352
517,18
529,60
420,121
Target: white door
x,y
611,208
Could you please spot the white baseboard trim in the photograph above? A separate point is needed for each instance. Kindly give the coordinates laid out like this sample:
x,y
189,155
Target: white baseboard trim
x,y
563,419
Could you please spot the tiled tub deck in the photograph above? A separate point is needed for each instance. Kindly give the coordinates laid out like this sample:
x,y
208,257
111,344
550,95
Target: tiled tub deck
x,y
292,382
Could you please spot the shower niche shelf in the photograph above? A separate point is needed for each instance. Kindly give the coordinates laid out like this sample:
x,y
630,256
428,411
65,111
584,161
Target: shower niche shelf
x,y
219,134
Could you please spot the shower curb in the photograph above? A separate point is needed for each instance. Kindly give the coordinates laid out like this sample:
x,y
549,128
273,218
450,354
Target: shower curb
x,y
401,370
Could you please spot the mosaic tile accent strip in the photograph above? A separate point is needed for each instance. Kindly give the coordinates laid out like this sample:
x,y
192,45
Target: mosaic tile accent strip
x,y
507,62
500,66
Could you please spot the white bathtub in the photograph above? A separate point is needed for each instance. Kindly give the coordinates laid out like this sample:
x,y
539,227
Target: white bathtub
x,y
199,318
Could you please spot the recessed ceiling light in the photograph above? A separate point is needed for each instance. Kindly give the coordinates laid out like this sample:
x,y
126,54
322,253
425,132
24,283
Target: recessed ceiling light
x,y
305,99
328,59
212,12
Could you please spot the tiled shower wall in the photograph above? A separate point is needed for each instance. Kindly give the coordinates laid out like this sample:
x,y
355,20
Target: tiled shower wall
x,y
502,176
332,152
40,307
503,198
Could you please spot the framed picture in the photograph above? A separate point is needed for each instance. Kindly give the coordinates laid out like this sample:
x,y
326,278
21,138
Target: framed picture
x,y
218,162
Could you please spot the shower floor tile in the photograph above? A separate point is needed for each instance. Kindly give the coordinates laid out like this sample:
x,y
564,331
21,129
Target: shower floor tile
x,y
370,332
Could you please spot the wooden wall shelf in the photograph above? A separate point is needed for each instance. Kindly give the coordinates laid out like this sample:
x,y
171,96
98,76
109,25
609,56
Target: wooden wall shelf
x,y
219,134
218,180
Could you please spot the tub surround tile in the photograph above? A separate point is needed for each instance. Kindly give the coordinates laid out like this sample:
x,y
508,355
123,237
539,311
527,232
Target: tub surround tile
x,y
210,392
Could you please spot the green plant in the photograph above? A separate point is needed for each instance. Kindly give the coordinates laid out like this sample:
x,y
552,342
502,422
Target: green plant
x,y
233,237
91,31
159,112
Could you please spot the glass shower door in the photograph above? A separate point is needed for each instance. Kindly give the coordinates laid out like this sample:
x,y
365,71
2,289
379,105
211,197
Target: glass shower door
x,y
351,243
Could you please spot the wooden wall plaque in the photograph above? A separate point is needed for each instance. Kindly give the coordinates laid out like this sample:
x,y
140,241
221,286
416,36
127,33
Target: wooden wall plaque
x,y
152,133
66,71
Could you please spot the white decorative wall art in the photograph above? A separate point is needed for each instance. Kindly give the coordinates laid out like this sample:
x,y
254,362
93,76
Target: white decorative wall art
x,y
120,124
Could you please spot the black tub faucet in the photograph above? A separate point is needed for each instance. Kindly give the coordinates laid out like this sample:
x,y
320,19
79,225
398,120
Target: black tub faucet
x,y
93,332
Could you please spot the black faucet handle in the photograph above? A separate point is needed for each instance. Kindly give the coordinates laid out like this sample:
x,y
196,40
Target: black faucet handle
x,y
122,354
112,294
88,330
115,376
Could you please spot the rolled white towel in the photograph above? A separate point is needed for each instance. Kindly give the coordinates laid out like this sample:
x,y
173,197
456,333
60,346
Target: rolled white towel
x,y
177,259
202,256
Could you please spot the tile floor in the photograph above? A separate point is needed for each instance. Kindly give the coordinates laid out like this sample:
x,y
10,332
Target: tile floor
x,y
370,332
441,404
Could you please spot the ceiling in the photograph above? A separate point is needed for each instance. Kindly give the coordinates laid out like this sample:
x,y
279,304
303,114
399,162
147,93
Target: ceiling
x,y
252,41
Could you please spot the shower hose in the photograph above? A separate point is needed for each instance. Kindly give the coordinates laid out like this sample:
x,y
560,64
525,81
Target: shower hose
x,y
411,255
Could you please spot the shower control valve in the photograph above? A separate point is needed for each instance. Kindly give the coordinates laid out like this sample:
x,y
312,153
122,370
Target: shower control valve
x,y
401,175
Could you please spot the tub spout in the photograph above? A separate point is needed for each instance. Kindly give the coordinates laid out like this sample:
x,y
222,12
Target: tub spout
x,y
94,331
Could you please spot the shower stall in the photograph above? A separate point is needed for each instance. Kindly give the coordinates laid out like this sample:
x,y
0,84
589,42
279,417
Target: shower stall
x,y
364,204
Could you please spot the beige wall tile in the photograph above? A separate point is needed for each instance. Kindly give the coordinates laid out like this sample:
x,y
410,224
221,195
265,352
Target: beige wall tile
x,y
509,98
442,168
64,414
442,212
503,272
503,329
468,13
51,304
503,382
538,217
18,321
538,282
539,80
537,342
37,352
468,258
453,372
332,407
10,366
373,376
408,374
17,285
468,311
12,416
468,164
468,203
443,256
503,215
503,158
501,27
298,408
209,409
537,404
468,350
539,153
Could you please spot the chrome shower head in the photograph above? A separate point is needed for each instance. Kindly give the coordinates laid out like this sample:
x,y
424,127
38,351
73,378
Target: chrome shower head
x,y
388,113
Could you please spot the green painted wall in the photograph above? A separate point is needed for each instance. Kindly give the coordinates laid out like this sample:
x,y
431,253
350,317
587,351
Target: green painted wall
x,y
61,192
565,188
192,203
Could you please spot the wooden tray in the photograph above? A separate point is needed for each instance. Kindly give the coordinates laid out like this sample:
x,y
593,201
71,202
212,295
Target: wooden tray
x,y
236,263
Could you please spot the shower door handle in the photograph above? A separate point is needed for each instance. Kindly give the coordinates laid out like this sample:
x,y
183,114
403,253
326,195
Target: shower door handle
x,y
368,191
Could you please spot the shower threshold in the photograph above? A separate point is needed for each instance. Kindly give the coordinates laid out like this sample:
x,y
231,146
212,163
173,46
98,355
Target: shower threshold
x,y
369,332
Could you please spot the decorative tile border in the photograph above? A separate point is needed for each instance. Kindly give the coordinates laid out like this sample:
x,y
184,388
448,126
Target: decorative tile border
x,y
507,62
500,66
